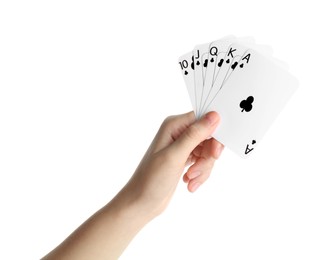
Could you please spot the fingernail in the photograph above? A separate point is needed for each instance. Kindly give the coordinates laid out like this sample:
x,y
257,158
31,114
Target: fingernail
x,y
212,118
219,151
194,186
194,174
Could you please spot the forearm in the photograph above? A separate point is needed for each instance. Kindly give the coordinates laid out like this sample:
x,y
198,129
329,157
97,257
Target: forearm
x,y
104,235
108,232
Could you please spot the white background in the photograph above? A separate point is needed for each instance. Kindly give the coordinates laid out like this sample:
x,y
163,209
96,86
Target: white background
x,y
84,86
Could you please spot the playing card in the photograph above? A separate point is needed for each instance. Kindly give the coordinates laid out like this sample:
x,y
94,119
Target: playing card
x,y
223,48
205,60
230,62
200,54
216,49
227,64
187,66
250,101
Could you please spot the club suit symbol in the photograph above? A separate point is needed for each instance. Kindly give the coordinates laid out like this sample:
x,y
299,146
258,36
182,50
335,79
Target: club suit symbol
x,y
234,65
192,63
246,105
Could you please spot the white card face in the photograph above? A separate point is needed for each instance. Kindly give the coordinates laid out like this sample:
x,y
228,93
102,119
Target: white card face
x,y
216,49
250,101
187,67
227,64
200,54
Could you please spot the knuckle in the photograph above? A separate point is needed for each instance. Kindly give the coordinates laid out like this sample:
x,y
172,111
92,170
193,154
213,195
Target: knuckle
x,y
194,132
168,122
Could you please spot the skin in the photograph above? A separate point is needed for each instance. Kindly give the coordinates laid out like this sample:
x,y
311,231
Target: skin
x,y
180,142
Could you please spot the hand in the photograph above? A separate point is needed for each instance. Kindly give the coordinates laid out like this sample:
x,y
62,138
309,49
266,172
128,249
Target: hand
x,y
179,143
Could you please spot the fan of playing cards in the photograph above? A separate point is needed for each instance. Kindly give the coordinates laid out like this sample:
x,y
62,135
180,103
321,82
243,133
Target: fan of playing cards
x,y
242,82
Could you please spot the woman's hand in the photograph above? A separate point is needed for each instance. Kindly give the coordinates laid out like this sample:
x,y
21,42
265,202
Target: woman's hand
x,y
181,141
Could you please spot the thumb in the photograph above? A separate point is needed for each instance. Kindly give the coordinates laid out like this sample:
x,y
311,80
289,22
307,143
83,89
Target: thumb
x,y
195,134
